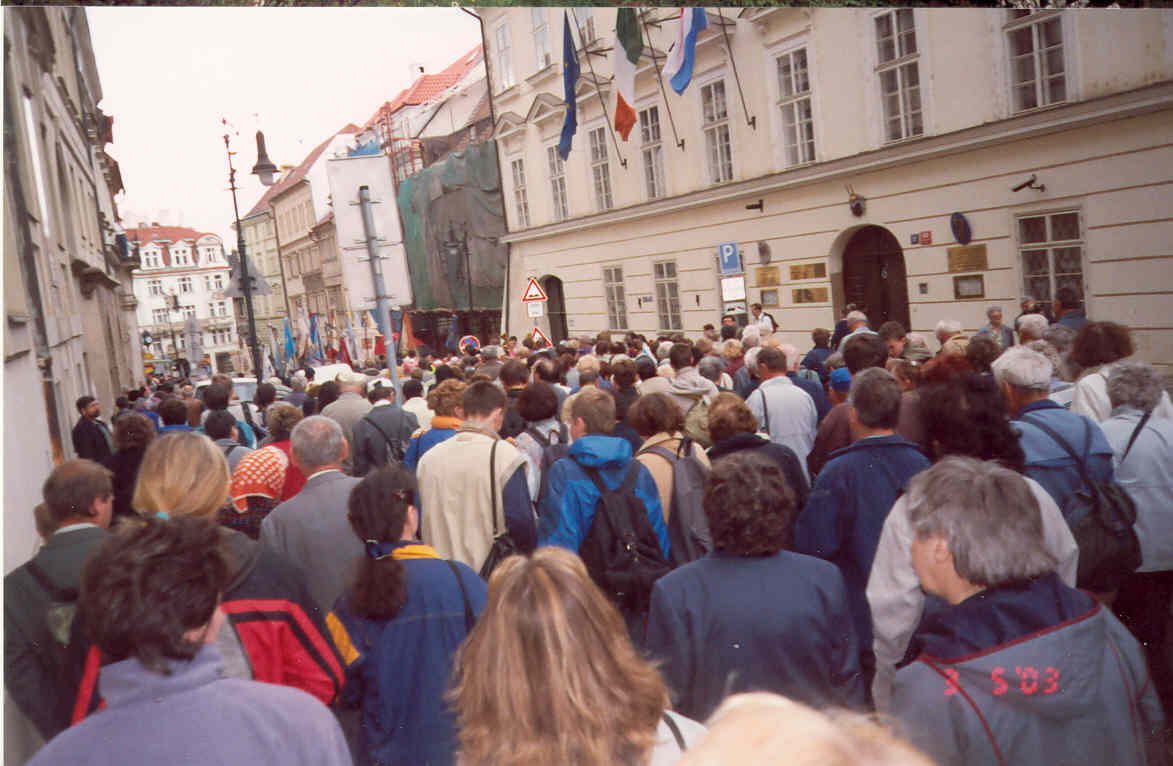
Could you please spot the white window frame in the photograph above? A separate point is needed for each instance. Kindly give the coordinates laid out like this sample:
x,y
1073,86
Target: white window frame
x,y
155,287
503,56
520,194
714,128
600,168
160,316
651,153
668,312
615,295
1050,245
899,66
188,312
1034,20
543,52
556,172
185,285
218,281
802,154
584,20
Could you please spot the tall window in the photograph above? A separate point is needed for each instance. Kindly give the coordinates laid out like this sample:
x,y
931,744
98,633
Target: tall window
x,y
652,151
718,148
1052,254
154,287
616,300
794,91
601,168
1037,69
159,316
667,295
187,311
541,36
520,197
557,183
899,74
218,281
185,285
504,57
585,19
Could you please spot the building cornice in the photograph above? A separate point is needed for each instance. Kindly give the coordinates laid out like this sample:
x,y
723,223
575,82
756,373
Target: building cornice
x,y
1018,128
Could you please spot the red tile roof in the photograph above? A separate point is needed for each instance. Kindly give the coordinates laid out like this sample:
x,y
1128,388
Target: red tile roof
x,y
428,86
299,172
165,234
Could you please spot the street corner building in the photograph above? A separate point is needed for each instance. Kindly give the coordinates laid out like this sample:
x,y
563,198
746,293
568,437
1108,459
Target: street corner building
x,y
922,163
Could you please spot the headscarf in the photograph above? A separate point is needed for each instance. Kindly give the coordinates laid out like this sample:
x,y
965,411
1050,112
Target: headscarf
x,y
259,473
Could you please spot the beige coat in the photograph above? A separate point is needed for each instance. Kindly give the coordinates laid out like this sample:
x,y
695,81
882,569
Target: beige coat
x,y
661,469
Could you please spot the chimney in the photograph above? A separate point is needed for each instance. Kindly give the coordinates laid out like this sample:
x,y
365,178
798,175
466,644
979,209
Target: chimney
x,y
154,224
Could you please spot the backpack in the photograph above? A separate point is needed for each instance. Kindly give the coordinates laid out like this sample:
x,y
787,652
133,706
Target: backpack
x,y
806,373
688,526
552,452
620,550
259,433
67,649
1101,516
396,448
696,422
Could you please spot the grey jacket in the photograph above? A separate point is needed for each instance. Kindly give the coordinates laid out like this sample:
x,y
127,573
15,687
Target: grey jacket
x,y
311,529
381,436
346,410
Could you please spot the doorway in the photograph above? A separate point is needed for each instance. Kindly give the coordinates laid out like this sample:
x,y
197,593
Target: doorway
x,y
874,276
556,306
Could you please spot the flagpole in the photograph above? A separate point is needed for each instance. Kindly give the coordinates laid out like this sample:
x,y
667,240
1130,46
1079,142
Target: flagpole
x,y
751,121
660,79
599,93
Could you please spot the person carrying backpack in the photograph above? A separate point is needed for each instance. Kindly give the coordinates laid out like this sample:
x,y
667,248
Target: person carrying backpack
x,y
679,467
626,547
544,440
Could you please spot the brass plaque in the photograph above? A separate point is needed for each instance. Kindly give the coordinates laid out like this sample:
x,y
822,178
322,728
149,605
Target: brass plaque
x,y
968,258
768,275
811,295
808,271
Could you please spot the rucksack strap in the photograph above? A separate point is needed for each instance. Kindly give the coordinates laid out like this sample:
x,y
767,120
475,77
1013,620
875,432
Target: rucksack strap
x,y
1079,462
379,428
627,485
675,732
1135,433
227,448
469,619
538,436
53,589
493,485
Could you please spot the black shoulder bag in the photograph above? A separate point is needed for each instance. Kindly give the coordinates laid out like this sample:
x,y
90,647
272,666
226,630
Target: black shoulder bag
x,y
503,545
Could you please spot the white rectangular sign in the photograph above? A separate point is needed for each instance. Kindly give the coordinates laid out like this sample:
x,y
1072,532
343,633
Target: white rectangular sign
x,y
535,308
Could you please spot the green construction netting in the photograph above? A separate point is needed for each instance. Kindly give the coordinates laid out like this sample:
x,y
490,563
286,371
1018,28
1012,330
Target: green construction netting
x,y
462,192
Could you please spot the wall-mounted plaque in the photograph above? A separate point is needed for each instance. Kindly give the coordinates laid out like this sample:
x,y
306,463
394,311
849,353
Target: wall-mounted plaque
x,y
808,271
769,297
967,258
969,286
811,295
768,275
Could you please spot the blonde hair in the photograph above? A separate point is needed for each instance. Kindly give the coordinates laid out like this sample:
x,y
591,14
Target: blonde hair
x,y
732,349
549,675
182,474
758,729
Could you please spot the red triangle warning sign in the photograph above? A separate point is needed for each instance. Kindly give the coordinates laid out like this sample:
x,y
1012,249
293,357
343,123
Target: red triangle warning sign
x,y
538,336
533,292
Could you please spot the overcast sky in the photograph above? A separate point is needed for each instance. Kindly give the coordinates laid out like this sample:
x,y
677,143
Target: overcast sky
x,y
299,74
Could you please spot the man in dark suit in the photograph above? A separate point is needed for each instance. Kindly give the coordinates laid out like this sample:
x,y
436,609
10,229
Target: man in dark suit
x,y
92,439
311,528
38,610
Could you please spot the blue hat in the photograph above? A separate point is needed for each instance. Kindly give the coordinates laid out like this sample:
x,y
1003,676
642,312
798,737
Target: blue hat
x,y
841,380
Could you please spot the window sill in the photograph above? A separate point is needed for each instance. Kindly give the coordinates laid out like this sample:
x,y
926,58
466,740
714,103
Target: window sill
x,y
543,74
1038,109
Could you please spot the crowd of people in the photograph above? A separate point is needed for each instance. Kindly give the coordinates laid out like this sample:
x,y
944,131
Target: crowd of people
x,y
622,550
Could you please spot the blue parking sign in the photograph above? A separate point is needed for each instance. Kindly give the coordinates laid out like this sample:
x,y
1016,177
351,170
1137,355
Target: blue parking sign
x,y
729,257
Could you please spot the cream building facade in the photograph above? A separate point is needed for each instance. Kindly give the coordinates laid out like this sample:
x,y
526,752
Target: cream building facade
x,y
921,113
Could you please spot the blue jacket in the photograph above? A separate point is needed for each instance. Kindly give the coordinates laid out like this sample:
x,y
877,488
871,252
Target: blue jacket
x,y
814,361
1047,462
846,509
399,668
745,384
822,404
569,507
1075,319
720,627
422,443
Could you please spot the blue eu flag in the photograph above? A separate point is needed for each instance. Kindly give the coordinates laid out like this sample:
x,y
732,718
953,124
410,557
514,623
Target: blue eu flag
x,y
570,74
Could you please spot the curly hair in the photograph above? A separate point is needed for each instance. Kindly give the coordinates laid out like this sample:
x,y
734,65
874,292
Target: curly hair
x,y
377,510
943,368
981,353
447,397
750,507
150,584
728,416
282,417
133,430
967,416
1101,343
655,414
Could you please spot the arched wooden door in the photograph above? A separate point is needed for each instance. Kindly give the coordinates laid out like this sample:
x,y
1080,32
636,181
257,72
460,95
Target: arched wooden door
x,y
556,308
874,276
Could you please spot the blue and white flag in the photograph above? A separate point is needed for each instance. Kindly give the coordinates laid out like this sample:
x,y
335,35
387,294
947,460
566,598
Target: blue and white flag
x,y
678,68
290,346
570,74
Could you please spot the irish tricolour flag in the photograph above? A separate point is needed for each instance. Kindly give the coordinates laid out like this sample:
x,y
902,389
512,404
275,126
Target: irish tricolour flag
x,y
625,56
678,68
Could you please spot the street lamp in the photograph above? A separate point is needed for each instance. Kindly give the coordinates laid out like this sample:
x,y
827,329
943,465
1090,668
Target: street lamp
x,y
265,170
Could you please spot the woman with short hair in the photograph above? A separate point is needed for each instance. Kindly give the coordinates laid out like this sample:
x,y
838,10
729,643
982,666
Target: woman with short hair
x,y
735,430
445,400
660,423
549,676
1096,350
133,433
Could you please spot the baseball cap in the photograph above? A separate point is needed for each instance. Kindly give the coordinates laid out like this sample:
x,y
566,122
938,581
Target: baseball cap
x,y
841,380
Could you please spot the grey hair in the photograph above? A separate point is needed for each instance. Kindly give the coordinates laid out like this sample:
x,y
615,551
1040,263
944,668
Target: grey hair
x,y
711,368
297,383
834,362
1047,350
1135,384
1034,325
792,355
875,396
948,327
751,336
663,350
856,316
992,309
317,441
751,359
1061,337
988,517
1021,367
